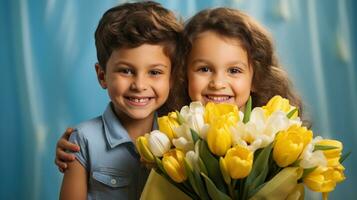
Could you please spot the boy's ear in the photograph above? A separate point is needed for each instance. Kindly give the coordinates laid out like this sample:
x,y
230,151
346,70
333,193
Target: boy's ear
x,y
101,76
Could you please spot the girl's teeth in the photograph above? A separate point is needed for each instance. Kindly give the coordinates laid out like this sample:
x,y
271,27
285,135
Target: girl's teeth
x,y
214,98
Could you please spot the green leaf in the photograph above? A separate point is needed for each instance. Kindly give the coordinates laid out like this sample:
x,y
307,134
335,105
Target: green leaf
x,y
191,178
248,110
307,171
324,147
344,156
213,191
212,166
253,192
200,185
202,166
195,136
180,119
259,171
291,113
159,164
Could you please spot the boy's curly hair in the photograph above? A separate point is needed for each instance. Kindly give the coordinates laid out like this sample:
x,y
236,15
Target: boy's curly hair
x,y
130,25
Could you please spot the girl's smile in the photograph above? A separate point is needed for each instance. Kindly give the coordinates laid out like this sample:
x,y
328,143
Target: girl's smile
x,y
218,70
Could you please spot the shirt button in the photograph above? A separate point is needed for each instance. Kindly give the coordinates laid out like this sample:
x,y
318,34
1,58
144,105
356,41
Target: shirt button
x,y
113,181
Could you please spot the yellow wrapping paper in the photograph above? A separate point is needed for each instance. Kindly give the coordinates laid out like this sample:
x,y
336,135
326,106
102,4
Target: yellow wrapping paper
x,y
283,186
158,188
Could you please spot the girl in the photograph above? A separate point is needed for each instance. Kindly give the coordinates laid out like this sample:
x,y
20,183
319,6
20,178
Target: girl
x,y
228,56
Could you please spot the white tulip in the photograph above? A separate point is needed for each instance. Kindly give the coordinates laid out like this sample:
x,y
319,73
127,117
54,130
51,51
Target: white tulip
x,y
310,158
193,116
184,139
159,143
192,158
260,131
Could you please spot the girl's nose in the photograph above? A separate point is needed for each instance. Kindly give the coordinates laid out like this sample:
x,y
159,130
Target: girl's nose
x,y
217,82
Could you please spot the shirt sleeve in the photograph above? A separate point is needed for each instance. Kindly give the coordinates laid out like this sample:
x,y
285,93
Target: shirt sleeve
x,y
82,155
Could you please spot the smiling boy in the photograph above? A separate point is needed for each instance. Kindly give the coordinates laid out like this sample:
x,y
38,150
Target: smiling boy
x,y
136,49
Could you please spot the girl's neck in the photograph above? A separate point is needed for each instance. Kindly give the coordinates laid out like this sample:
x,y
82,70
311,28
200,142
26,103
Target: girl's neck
x,y
136,127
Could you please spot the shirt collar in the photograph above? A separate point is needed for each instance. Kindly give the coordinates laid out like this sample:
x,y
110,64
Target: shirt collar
x,y
114,131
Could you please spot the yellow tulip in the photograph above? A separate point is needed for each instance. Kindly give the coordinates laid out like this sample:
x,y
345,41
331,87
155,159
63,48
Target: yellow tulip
x,y
332,155
214,111
237,162
279,103
173,163
290,144
324,179
144,151
219,138
167,124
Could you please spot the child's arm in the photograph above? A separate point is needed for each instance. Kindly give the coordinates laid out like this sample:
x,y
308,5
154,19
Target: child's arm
x,y
63,145
74,183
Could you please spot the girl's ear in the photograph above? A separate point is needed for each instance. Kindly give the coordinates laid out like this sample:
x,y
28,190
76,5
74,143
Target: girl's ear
x,y
101,76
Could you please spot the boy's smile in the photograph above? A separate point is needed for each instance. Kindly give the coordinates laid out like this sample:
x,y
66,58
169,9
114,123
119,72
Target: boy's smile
x,y
218,70
138,80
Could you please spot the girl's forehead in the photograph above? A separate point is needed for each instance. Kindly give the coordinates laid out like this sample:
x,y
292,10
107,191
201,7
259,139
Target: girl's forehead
x,y
210,34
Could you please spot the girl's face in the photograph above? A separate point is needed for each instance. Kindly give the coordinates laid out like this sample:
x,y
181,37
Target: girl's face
x,y
218,70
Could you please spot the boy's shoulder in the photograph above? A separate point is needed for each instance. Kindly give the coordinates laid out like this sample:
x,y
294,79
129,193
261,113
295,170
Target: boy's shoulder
x,y
89,127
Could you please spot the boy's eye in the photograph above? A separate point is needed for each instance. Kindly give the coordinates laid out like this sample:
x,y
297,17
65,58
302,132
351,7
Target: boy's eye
x,y
234,70
126,71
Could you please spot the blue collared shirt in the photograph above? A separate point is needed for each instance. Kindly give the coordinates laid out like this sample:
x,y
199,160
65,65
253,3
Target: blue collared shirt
x,y
110,158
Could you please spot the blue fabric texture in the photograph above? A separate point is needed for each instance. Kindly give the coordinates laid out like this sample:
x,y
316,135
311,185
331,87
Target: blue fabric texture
x,y
110,158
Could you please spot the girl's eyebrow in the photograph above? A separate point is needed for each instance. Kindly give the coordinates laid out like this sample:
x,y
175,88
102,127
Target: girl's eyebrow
x,y
198,60
238,62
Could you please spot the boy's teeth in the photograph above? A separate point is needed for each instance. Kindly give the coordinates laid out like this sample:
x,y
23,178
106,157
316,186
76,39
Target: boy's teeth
x,y
141,100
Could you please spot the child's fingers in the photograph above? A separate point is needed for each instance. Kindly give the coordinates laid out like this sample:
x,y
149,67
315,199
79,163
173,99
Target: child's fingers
x,y
65,145
62,166
67,133
64,156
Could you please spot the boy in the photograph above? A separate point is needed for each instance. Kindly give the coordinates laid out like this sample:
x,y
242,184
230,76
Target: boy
x,y
136,48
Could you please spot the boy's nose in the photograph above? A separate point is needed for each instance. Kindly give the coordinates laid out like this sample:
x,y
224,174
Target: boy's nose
x,y
138,84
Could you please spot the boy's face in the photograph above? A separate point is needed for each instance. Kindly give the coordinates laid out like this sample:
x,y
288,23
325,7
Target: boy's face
x,y
137,79
218,70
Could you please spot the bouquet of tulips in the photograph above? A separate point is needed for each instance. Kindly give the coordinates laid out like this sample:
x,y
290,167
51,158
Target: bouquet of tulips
x,y
218,152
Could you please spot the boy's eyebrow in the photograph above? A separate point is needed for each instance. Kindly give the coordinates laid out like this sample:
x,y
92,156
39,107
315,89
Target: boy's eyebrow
x,y
131,65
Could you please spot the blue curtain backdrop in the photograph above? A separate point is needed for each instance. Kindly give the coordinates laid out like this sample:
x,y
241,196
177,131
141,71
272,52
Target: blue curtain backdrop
x,y
48,82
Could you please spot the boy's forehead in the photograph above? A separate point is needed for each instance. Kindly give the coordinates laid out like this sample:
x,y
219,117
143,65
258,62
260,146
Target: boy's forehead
x,y
146,53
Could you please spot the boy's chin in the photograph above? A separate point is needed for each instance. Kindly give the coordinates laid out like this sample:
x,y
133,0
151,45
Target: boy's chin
x,y
139,114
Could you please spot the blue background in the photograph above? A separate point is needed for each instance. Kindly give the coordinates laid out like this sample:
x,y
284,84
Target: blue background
x,y
48,82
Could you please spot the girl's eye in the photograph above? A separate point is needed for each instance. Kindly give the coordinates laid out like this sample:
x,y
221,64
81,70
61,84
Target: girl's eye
x,y
234,70
204,69
155,72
